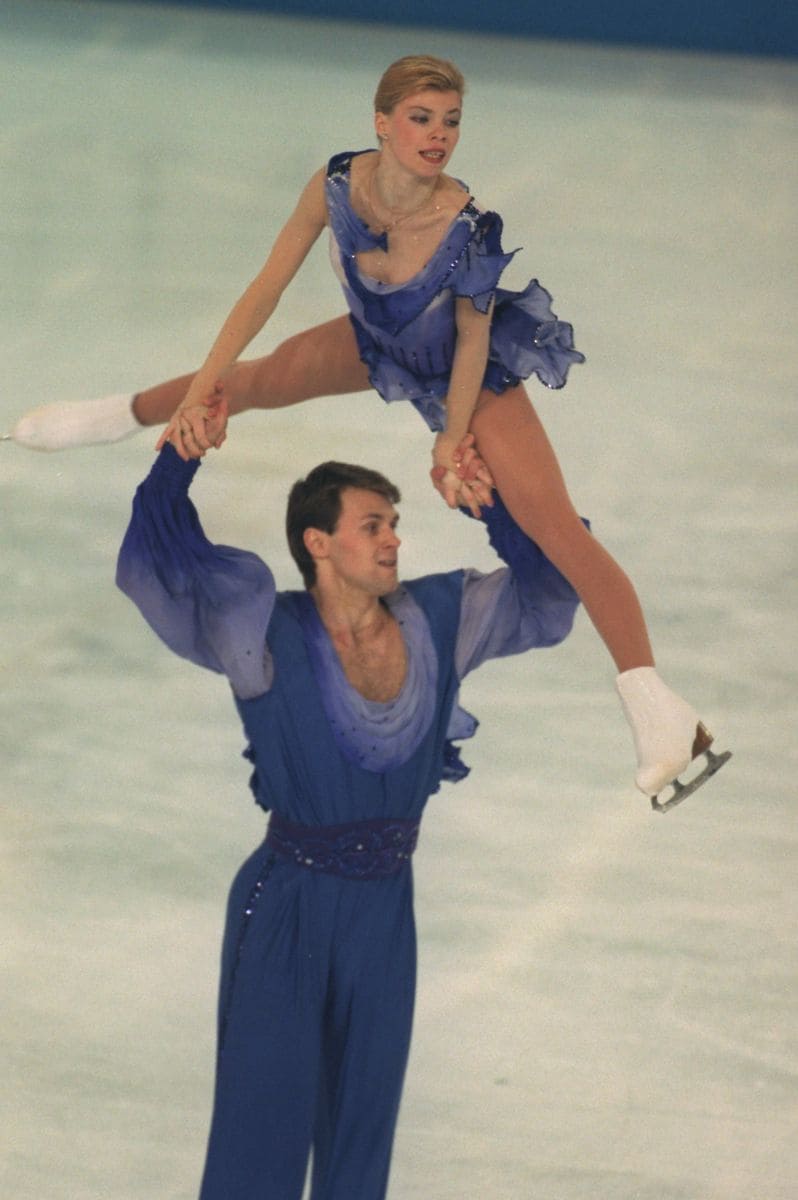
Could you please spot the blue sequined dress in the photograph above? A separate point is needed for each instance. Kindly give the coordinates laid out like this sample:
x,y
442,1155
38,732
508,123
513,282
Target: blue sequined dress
x,y
406,332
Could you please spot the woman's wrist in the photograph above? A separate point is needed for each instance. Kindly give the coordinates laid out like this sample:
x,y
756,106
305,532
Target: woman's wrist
x,y
443,450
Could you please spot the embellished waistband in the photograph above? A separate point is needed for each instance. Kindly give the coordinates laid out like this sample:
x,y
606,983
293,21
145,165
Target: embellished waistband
x,y
357,850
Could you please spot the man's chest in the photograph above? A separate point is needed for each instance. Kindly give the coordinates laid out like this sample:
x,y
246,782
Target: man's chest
x,y
375,667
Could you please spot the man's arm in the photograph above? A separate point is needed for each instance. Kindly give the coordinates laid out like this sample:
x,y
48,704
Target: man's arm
x,y
210,604
524,605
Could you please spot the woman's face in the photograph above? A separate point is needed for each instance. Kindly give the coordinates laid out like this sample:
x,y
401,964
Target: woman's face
x,y
422,130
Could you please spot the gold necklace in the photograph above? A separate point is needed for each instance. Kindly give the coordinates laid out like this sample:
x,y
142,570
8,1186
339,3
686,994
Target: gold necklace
x,y
388,227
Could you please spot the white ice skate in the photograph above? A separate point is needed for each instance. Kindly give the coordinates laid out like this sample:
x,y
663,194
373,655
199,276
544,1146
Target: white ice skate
x,y
76,423
668,736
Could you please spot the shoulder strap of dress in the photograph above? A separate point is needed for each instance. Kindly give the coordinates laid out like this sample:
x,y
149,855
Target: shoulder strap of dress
x,y
340,164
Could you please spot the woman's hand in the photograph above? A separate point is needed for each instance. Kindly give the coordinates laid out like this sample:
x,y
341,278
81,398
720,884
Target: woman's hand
x,y
460,474
197,424
216,422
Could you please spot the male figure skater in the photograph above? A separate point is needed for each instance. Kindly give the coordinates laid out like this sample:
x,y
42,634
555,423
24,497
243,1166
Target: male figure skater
x,y
348,695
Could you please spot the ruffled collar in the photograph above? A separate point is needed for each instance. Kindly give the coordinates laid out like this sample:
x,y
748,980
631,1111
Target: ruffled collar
x,y
373,735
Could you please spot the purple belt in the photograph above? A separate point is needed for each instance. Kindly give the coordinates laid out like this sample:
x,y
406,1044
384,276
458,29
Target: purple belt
x,y
357,850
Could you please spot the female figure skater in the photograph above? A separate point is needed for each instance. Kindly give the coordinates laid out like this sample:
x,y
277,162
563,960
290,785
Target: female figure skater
x,y
419,262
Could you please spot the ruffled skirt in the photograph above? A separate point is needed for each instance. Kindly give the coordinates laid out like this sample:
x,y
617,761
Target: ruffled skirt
x,y
526,338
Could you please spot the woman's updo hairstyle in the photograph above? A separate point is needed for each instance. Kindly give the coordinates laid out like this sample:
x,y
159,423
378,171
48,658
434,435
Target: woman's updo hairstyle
x,y
416,73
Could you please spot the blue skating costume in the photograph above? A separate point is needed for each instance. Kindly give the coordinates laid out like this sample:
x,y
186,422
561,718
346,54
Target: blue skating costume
x,y
406,332
318,961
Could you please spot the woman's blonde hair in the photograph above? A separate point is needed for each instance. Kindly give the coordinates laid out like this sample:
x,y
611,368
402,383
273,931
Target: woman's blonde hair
x,y
416,73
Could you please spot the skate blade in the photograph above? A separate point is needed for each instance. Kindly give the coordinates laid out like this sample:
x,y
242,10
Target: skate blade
x,y
682,790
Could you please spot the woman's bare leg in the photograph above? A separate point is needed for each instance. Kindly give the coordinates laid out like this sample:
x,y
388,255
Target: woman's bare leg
x,y
666,730
514,445
322,361
155,405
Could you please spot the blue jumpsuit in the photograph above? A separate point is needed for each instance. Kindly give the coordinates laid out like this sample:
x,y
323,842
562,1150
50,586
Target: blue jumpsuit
x,y
318,961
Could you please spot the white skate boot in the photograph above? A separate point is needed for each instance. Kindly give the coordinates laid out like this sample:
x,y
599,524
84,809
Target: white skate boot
x,y
76,423
667,734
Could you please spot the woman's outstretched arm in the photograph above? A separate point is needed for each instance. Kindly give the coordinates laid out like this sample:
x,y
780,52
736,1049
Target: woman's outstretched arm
x,y
186,430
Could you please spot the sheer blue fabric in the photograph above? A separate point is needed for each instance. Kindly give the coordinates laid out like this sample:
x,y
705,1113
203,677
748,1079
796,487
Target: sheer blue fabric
x,y
530,606
406,332
209,604
377,735
213,605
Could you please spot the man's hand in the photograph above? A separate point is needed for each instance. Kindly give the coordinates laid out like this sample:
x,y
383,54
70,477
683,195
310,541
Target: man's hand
x,y
460,474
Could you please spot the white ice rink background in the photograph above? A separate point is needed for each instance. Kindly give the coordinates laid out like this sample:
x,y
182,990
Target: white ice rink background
x,y
607,997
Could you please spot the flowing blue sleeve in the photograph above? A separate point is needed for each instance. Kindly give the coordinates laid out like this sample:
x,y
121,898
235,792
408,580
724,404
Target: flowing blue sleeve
x,y
210,604
524,605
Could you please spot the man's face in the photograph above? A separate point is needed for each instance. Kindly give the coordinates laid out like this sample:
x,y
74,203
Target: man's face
x,y
362,552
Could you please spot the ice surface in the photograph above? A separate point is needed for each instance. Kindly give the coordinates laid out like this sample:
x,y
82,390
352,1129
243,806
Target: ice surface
x,y
607,996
